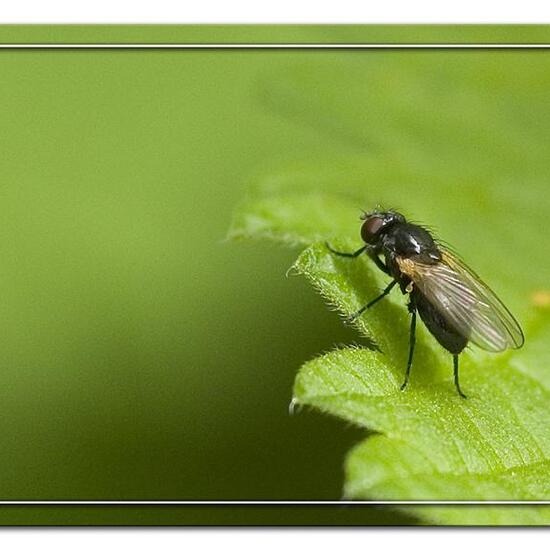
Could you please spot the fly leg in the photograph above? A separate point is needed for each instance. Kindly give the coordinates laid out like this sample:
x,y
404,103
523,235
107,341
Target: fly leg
x,y
376,259
455,365
372,254
370,251
387,290
347,254
412,341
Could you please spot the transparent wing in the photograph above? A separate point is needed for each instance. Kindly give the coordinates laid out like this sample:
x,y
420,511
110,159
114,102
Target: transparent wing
x,y
465,301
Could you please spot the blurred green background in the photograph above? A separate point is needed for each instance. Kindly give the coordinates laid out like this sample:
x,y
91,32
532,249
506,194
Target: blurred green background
x,y
143,357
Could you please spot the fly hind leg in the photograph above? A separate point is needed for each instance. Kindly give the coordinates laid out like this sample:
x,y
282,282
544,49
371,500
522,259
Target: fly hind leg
x,y
412,341
457,384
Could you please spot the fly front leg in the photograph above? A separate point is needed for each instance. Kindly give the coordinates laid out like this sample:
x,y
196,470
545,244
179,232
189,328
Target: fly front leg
x,y
347,254
370,250
373,255
412,341
387,290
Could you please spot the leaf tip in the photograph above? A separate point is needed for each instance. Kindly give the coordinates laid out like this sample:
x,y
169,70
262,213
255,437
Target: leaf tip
x,y
293,406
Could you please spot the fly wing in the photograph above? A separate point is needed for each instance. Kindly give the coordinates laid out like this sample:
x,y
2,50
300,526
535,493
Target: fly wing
x,y
465,301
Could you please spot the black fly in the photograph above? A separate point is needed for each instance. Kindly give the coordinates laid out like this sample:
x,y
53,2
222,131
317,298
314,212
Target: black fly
x,y
455,305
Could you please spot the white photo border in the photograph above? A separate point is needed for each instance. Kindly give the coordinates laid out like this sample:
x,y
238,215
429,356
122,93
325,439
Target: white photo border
x,y
271,46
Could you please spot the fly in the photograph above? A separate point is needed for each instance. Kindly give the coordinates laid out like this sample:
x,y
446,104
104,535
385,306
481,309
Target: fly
x,y
456,306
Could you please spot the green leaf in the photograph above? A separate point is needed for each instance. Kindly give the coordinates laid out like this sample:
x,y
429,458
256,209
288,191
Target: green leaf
x,y
430,444
447,144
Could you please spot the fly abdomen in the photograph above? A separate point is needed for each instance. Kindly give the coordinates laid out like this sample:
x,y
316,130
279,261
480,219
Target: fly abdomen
x,y
443,332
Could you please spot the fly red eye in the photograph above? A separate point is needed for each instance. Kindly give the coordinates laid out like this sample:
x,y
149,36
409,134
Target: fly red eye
x,y
370,229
